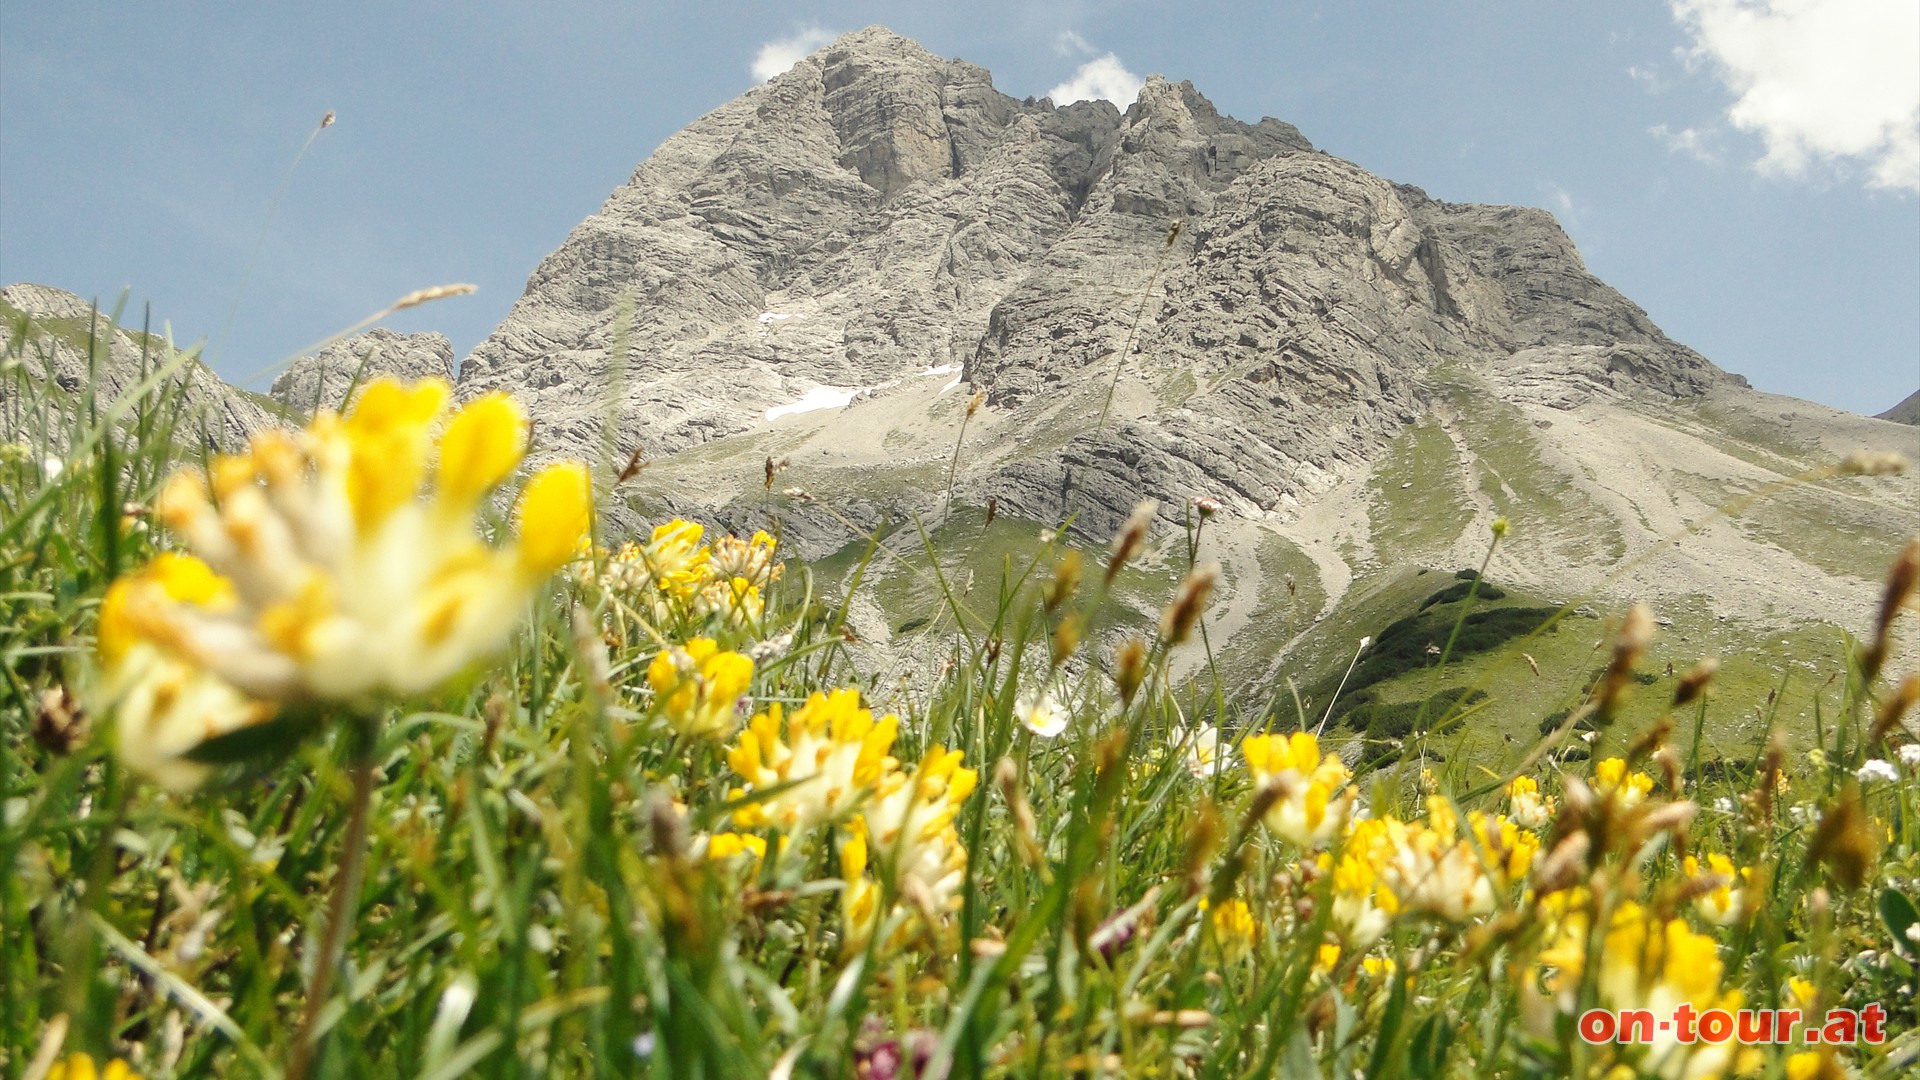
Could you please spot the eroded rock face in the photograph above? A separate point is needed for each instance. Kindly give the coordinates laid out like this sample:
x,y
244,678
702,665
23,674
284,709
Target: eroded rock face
x,y
56,328
323,379
879,214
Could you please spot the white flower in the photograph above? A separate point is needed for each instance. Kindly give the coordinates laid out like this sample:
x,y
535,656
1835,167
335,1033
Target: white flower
x,y
1724,805
1910,757
1042,715
1876,769
52,467
1202,751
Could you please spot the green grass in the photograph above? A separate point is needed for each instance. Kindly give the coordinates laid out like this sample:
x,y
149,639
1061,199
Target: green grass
x,y
1416,506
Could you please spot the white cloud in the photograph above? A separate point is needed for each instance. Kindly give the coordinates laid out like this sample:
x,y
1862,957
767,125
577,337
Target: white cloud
x,y
1101,77
1647,77
778,56
1693,142
1820,81
1070,43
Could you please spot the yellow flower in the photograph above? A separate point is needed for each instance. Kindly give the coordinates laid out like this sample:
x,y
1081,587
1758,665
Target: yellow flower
x,y
860,897
1232,927
751,560
910,825
81,1067
165,707
1313,794
698,687
831,757
353,549
729,845
1726,901
1612,780
1363,905
1430,868
1529,808
1646,962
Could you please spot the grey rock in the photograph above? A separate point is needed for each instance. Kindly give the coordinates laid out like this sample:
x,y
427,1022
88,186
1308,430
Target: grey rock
x,y
1907,412
1273,312
51,332
323,379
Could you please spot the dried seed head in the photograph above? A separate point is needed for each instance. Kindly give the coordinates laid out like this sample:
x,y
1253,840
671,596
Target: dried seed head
x,y
1066,638
1636,630
1870,463
1130,668
1206,507
978,399
327,120
1131,537
1007,775
1900,582
59,723
1176,623
1694,682
1066,579
1844,841
1564,866
1887,715
428,296
993,508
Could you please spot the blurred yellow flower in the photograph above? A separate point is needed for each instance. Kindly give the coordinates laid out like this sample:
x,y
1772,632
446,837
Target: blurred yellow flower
x,y
1529,808
814,765
1646,962
698,687
1313,794
344,561
1232,927
1611,780
1725,902
81,1067
353,549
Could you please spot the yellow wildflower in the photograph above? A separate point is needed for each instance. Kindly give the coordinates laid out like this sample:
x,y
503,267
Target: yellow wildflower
x,y
910,824
698,687
348,584
831,757
1529,808
1430,868
1313,794
164,706
1612,780
81,1067
729,845
1646,962
1233,928
751,560
1363,905
1726,901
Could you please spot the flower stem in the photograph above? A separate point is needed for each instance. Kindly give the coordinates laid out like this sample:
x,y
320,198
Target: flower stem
x,y
345,897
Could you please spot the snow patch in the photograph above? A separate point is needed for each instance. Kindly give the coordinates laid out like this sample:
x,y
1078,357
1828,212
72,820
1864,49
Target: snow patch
x,y
820,397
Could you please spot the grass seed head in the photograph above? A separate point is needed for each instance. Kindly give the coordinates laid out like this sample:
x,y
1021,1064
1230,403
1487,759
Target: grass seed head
x,y
1131,537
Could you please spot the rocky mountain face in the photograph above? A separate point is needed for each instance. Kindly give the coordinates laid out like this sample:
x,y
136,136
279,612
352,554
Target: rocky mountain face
x,y
323,379
879,219
1907,412
800,305
65,346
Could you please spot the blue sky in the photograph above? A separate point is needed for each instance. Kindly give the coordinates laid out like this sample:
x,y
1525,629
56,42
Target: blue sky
x,y
1746,170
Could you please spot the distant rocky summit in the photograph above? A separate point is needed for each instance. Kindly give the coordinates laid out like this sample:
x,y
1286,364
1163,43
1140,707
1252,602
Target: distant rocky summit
x,y
323,379
880,220
1907,412
53,332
